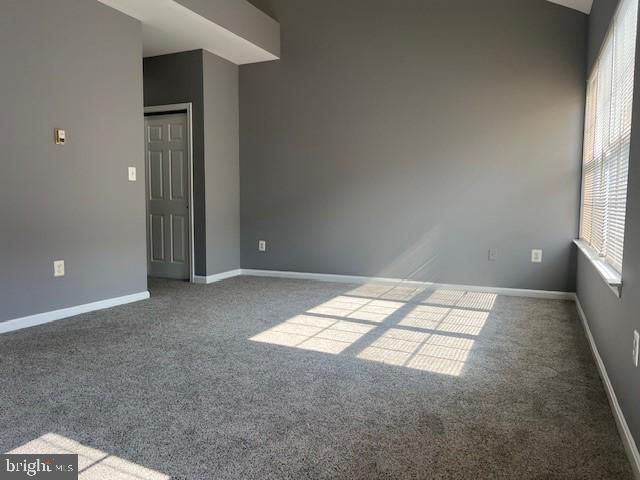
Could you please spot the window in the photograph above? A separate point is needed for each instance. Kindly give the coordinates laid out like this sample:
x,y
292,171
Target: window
x,y
607,138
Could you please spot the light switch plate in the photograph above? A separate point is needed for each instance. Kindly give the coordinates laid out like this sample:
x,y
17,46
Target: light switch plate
x,y
536,255
262,246
132,174
493,254
58,268
60,136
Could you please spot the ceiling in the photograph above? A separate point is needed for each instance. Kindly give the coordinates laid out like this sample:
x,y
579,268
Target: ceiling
x,y
168,26
231,29
580,5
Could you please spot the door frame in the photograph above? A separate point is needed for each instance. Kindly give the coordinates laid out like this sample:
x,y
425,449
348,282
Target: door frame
x,y
169,109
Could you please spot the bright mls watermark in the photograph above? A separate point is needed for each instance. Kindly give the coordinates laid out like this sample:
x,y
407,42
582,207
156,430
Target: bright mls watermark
x,y
50,467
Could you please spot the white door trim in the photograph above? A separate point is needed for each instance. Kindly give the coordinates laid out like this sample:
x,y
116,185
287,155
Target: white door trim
x,y
176,108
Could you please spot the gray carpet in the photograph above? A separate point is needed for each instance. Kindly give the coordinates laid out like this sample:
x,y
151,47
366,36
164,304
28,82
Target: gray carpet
x,y
406,384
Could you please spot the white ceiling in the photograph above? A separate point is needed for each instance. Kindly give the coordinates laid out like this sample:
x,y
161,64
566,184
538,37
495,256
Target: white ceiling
x,y
580,5
168,27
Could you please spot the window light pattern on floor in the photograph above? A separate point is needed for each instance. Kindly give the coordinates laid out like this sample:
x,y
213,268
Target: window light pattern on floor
x,y
315,333
93,464
413,327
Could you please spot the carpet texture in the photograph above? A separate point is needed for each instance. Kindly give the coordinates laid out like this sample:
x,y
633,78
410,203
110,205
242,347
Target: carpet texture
x,y
256,378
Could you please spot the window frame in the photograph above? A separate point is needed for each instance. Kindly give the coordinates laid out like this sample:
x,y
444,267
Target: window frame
x,y
605,269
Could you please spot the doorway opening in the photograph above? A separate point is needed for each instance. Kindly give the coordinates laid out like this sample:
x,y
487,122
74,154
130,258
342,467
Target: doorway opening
x,y
169,191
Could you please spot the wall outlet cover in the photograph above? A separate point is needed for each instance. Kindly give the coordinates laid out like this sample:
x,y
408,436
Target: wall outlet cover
x,y
493,254
132,174
536,255
58,268
262,246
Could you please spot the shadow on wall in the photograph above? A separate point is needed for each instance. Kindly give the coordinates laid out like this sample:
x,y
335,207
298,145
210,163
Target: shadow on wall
x,y
93,464
413,327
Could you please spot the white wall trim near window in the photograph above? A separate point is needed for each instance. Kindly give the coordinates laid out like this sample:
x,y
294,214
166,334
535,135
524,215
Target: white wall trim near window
x,y
607,140
608,274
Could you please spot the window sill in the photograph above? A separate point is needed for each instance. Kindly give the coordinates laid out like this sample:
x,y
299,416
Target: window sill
x,y
608,274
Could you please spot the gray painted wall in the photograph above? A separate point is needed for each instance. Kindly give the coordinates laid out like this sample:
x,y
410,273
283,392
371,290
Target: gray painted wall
x,y
406,138
177,78
75,65
612,320
222,163
210,83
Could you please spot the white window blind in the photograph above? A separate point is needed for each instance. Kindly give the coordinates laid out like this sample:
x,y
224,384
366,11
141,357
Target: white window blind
x,y
607,138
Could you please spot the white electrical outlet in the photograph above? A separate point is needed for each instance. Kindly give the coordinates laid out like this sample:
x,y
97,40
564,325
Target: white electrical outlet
x,y
262,246
536,255
132,174
636,347
58,268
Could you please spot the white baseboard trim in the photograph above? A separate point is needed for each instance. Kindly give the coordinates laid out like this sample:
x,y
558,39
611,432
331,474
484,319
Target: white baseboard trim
x,y
217,277
627,439
46,317
323,277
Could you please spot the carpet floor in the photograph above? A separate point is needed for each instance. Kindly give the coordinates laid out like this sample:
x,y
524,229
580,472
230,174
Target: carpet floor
x,y
256,378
